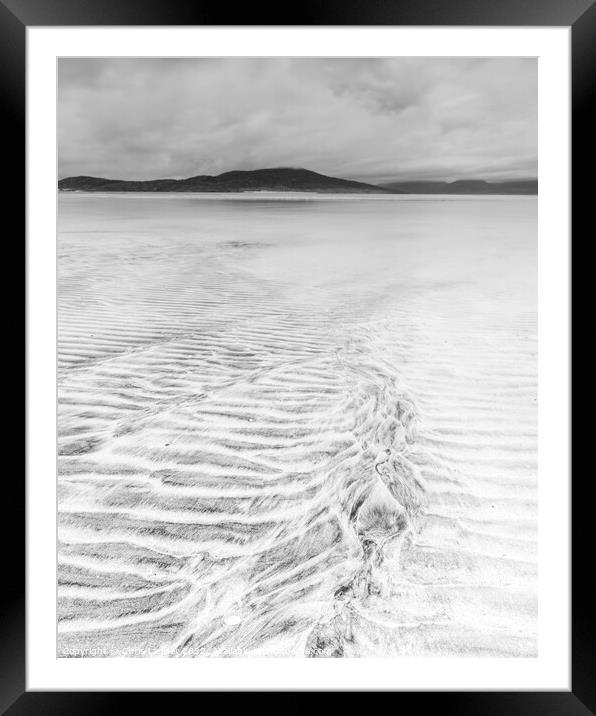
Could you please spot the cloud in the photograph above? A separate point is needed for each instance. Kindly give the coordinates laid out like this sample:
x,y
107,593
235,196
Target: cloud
x,y
373,119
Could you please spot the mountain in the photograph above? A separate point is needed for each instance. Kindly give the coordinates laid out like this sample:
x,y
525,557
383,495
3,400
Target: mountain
x,y
281,179
464,186
286,179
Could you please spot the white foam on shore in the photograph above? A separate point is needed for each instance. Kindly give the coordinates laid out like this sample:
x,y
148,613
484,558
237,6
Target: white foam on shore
x,y
297,428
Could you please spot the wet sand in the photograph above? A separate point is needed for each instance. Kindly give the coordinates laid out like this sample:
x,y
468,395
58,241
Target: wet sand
x,y
297,426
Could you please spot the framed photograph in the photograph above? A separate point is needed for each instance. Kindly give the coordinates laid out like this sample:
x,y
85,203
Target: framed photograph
x,y
298,340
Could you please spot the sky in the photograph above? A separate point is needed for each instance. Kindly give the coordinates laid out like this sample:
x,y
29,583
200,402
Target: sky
x,y
369,119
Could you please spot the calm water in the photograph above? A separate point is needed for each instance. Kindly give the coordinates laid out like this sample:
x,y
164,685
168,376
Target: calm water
x,y
297,426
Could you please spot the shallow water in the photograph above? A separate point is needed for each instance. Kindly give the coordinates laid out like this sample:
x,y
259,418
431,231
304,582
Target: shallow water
x,y
297,425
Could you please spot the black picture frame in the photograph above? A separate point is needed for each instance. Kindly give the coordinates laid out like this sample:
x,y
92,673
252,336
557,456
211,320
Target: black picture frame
x,y
17,15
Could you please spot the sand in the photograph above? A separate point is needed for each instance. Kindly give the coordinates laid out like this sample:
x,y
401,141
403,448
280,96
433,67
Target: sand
x,y
297,426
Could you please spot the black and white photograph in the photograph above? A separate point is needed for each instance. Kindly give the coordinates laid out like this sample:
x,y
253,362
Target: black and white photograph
x,y
297,357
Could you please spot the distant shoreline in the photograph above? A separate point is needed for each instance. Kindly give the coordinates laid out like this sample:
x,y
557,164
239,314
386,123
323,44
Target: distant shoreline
x,y
292,180
289,195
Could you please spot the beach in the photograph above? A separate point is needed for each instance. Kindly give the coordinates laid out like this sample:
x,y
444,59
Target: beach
x,y
297,425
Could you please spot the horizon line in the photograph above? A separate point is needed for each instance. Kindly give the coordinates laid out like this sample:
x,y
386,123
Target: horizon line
x,y
362,181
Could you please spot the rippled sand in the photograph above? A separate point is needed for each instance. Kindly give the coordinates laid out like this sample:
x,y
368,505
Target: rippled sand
x,y
298,426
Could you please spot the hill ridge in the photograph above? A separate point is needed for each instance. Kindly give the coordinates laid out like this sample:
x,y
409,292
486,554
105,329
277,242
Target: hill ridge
x,y
271,179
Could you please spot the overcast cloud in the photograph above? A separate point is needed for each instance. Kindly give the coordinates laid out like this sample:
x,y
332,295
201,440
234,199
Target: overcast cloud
x,y
367,119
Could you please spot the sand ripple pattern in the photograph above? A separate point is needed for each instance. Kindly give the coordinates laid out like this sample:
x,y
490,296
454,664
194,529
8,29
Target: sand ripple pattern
x,y
247,472
221,480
